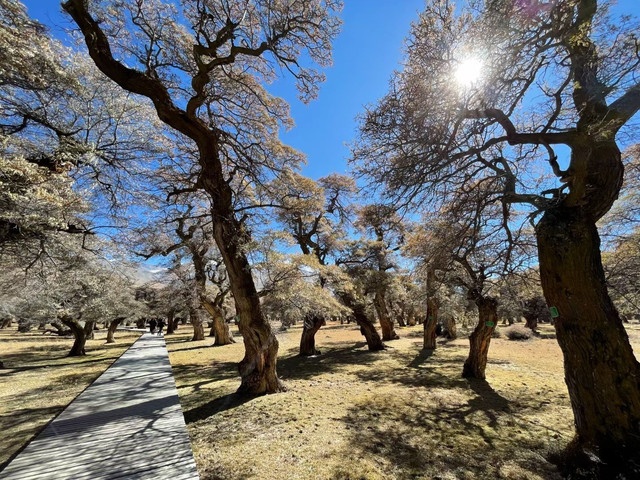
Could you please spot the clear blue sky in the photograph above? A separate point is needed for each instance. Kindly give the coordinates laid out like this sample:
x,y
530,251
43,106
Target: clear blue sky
x,y
365,54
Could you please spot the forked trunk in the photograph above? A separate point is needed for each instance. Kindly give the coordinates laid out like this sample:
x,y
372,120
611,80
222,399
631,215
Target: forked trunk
x,y
386,324
195,315
113,325
308,339
219,328
79,337
601,372
430,324
480,339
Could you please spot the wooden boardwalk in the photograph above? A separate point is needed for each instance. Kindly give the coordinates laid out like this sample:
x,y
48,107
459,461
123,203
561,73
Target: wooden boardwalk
x,y
128,424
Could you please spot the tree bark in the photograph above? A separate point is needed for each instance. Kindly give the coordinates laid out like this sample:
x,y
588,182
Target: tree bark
x,y
195,315
449,325
430,324
79,337
172,323
113,325
308,339
433,306
480,339
386,323
89,328
601,371
374,342
219,328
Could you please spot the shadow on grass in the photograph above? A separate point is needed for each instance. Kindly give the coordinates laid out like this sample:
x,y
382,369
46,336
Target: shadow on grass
x,y
15,420
196,376
293,366
218,405
428,436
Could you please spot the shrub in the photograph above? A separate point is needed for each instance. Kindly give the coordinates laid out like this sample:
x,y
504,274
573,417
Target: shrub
x,y
518,332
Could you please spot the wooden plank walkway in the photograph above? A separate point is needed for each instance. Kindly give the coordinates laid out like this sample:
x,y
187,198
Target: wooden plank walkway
x,y
128,424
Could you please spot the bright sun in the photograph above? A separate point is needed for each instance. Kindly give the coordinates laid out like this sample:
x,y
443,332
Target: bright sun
x,y
468,72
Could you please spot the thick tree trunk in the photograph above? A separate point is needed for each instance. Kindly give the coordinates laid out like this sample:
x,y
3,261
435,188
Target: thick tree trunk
x,y
195,315
308,339
79,337
219,328
258,367
531,322
386,323
374,342
601,372
449,325
476,363
89,328
433,307
113,325
429,333
172,324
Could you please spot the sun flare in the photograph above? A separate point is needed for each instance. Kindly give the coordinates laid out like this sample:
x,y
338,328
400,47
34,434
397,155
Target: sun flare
x,y
468,72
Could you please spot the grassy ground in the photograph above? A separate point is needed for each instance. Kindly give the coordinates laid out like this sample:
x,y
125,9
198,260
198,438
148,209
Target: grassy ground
x,y
39,380
347,414
397,414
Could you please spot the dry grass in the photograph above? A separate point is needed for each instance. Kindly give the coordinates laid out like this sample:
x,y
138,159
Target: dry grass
x,y
397,414
39,380
348,414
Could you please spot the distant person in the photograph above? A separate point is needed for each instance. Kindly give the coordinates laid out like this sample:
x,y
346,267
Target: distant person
x,y
161,325
152,325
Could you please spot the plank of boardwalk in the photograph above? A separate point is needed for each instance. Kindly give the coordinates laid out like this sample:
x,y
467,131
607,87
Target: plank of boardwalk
x,y
128,424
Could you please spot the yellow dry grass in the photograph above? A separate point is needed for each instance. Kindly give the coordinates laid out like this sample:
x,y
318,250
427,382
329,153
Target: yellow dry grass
x,y
397,414
39,380
347,414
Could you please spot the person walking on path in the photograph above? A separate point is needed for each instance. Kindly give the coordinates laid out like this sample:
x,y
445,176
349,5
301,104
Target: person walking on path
x,y
152,325
160,326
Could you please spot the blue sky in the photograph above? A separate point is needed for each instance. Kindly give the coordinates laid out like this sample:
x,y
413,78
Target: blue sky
x,y
367,51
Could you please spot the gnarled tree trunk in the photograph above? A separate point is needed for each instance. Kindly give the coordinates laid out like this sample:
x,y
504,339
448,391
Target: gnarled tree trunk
x,y
219,328
79,336
433,306
113,325
386,324
172,323
308,339
480,339
258,367
601,371
449,326
374,342
195,315
430,324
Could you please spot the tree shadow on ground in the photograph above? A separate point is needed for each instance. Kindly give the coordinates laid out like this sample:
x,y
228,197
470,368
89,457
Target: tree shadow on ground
x,y
293,366
461,428
215,406
196,376
13,423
